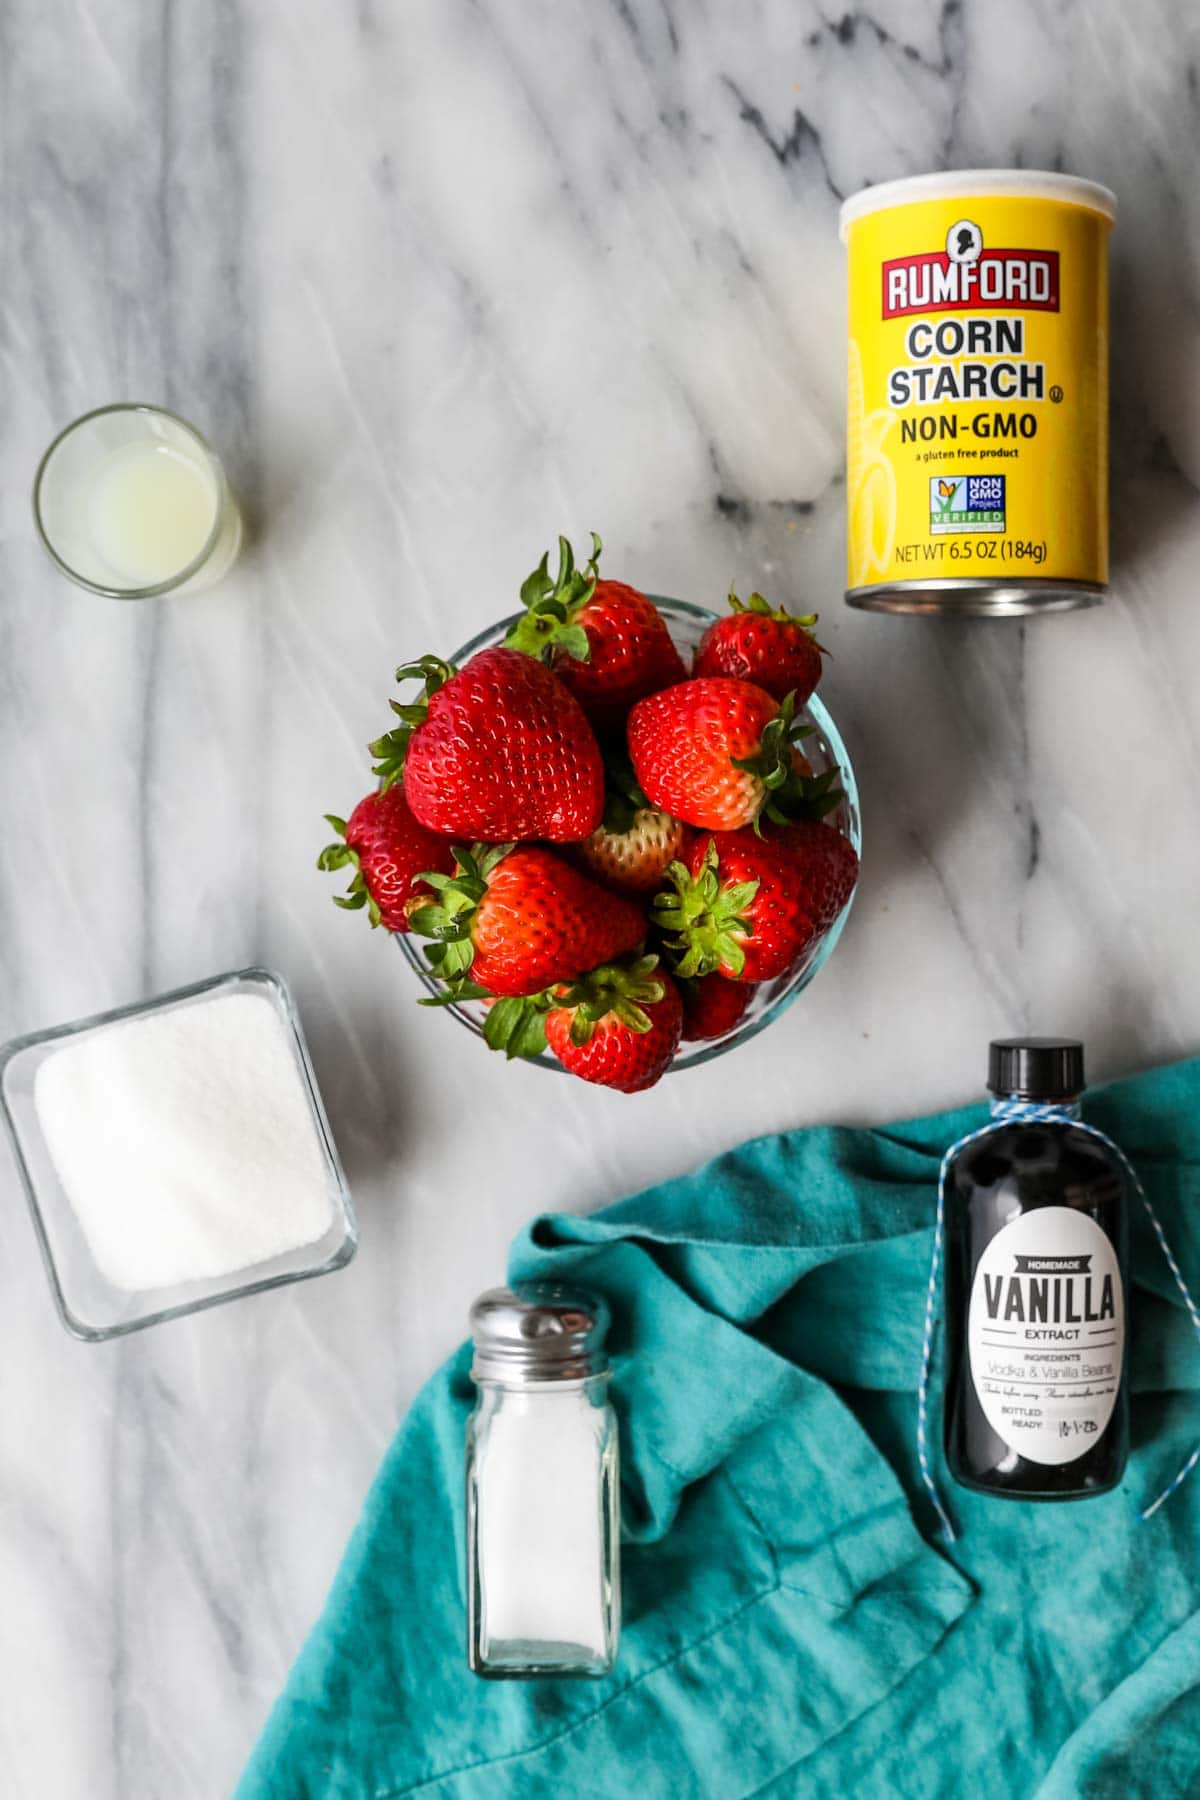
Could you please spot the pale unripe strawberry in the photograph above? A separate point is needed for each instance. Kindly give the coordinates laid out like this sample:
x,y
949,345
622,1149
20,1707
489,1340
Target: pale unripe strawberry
x,y
633,861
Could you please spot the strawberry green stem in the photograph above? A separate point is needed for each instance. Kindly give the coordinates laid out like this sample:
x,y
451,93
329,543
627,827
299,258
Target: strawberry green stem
x,y
340,856
705,923
618,990
518,1027
391,749
450,916
763,608
789,794
553,604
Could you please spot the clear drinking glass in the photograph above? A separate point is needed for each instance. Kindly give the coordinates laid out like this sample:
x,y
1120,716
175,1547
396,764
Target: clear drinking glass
x,y
543,1526
131,502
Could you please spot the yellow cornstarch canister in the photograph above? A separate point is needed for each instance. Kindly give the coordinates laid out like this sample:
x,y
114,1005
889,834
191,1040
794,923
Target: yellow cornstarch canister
x,y
977,393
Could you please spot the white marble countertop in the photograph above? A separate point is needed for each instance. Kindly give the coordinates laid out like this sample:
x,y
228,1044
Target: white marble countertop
x,y
442,280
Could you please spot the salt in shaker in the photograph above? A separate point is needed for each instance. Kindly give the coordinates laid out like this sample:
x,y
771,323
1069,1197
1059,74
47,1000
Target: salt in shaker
x,y
542,1486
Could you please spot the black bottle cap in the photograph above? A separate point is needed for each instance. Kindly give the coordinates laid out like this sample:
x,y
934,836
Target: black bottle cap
x,y
1036,1068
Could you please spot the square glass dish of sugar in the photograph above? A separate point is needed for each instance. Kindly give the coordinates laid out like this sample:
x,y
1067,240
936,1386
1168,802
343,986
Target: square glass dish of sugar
x,y
176,1154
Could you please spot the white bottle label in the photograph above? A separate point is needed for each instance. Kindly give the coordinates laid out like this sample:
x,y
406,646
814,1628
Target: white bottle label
x,y
1046,1333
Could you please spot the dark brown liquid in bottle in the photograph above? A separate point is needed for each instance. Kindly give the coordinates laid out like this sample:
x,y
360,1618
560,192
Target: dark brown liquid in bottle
x,y
1013,1173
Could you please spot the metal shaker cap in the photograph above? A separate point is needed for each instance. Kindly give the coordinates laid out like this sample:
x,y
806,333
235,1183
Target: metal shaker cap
x,y
539,1331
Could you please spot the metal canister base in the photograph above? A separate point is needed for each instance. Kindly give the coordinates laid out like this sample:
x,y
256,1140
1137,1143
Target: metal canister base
x,y
975,598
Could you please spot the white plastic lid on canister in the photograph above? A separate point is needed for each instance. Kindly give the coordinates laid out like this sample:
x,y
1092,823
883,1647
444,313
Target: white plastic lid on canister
x,y
966,184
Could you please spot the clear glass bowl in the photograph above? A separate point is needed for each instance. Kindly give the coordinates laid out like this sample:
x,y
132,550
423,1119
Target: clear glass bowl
x,y
824,749
89,1305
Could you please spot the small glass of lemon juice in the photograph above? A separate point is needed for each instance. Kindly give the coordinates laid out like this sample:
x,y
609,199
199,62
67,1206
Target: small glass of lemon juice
x,y
131,502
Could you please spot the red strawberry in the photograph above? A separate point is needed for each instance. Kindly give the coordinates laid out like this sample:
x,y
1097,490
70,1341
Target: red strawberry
x,y
515,920
756,643
618,1026
497,750
606,641
712,1006
735,909
389,851
713,752
826,868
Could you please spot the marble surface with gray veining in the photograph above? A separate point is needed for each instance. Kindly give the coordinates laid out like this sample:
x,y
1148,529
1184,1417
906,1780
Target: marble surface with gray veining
x,y
442,279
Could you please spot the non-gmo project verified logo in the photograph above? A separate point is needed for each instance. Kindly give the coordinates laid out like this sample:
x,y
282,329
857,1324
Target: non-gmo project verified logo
x,y
966,503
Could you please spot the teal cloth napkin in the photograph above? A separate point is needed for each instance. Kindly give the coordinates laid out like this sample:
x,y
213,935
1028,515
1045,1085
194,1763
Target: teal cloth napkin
x,y
792,1625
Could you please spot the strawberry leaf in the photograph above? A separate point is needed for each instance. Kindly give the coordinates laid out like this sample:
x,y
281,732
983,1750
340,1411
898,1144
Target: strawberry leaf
x,y
789,794
391,749
538,585
461,990
620,990
450,960
335,856
341,856
449,916
705,924
432,671
763,608
549,627
518,1027
572,640
623,798
389,752
804,797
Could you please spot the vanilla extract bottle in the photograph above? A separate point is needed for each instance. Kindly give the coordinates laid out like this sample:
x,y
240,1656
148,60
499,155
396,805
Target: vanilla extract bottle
x,y
1036,1221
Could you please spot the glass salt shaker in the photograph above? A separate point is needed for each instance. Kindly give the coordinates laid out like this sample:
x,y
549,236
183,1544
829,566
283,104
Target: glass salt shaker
x,y
543,1530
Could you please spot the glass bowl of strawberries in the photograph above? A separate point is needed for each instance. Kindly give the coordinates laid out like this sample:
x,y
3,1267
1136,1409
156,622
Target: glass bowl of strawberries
x,y
617,834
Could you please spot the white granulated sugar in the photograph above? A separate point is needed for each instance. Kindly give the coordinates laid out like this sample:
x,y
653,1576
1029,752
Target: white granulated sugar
x,y
185,1142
